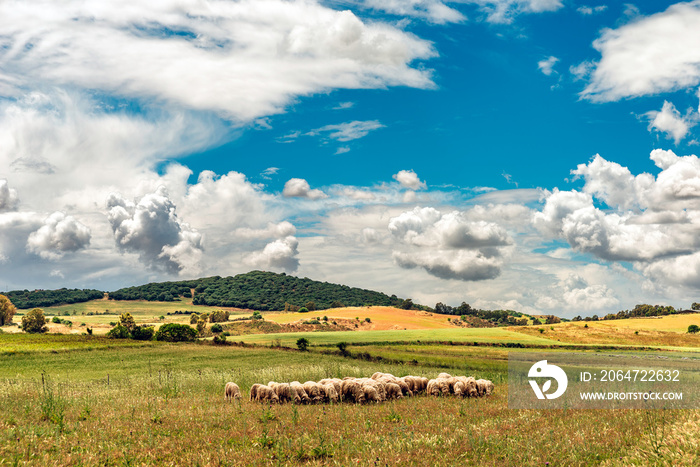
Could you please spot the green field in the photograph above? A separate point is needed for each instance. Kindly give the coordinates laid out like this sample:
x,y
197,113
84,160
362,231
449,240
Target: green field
x,y
88,400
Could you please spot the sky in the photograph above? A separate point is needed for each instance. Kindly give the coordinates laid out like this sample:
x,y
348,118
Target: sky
x,y
533,155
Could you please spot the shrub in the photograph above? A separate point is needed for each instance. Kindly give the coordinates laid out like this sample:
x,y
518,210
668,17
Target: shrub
x,y
303,344
194,317
343,347
219,316
7,310
256,315
693,328
303,310
367,320
220,340
174,332
126,320
217,328
56,320
119,332
143,333
34,321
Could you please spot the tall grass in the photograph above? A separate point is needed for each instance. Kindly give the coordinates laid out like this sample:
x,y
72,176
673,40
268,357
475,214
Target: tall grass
x,y
164,405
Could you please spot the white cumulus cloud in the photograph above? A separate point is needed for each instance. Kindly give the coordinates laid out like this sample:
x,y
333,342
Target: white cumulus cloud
x,y
280,254
152,229
546,66
649,55
60,234
299,188
409,179
670,121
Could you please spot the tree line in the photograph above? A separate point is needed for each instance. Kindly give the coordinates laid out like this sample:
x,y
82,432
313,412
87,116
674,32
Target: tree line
x,y
25,299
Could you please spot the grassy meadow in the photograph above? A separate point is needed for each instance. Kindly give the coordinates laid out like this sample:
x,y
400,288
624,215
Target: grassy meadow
x,y
71,399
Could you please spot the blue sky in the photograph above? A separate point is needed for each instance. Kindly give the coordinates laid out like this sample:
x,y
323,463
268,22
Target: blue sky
x,y
536,155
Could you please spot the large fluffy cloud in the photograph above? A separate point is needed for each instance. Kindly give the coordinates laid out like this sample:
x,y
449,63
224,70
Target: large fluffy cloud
x,y
151,228
242,59
448,245
299,188
59,234
653,54
277,255
650,221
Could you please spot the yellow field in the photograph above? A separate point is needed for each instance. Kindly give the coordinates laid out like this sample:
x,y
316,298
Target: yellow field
x,y
92,314
383,318
657,331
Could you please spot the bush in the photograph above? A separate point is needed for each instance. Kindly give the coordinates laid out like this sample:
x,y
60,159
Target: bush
x,y
220,340
219,316
56,320
174,332
303,344
216,328
143,333
303,310
34,321
7,311
693,328
194,317
256,315
119,332
367,320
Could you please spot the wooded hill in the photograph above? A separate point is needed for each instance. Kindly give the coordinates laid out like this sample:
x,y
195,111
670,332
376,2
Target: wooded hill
x,y
24,299
258,290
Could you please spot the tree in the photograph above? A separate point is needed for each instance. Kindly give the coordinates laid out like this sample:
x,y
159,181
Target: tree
x,y
119,332
695,306
173,332
143,333
693,328
303,310
34,321
7,310
126,320
303,344
216,327
311,306
343,347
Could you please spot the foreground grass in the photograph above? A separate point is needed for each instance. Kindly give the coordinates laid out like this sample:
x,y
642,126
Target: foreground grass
x,y
162,404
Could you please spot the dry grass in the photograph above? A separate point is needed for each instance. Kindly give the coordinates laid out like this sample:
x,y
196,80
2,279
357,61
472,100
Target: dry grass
x,y
618,332
382,318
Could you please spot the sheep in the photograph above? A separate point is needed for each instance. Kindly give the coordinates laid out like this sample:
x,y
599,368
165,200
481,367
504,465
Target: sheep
x,y
331,393
404,388
470,387
266,394
300,391
423,383
254,392
393,391
371,394
312,390
232,391
433,388
444,376
285,393
460,389
353,391
485,387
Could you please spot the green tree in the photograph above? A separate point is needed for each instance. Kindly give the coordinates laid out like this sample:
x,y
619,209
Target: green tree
x,y
695,306
216,327
7,310
126,320
693,328
119,332
194,317
303,310
201,326
303,344
34,321
173,332
143,333
311,305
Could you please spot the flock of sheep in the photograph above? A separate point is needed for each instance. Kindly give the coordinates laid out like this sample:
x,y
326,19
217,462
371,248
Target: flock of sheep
x,y
378,388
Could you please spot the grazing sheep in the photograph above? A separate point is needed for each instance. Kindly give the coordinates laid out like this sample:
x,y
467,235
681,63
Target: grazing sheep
x,y
300,391
232,391
423,383
371,394
254,392
312,390
459,389
444,386
352,391
485,387
433,388
471,389
404,388
331,393
266,394
393,391
285,393
444,376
